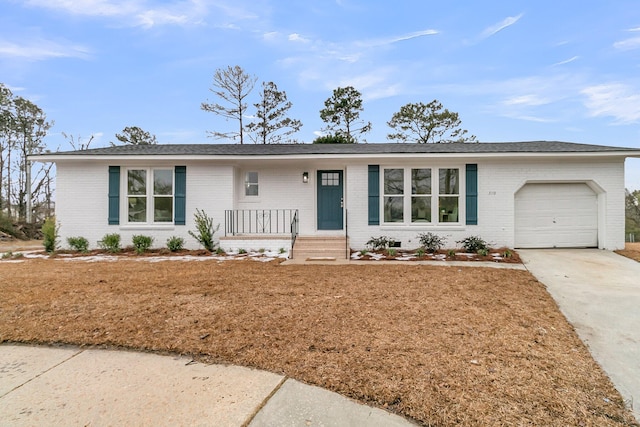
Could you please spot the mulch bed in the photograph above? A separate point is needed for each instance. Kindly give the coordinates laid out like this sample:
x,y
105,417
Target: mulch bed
x,y
441,345
501,255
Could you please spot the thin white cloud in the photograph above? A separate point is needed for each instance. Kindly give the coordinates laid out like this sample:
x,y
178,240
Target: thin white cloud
x,y
617,100
634,29
270,36
566,61
40,49
505,23
414,35
533,100
295,37
150,18
90,7
628,44
147,13
529,118
374,84
395,39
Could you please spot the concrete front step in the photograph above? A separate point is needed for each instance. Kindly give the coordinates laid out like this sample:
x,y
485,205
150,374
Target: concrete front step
x,y
320,247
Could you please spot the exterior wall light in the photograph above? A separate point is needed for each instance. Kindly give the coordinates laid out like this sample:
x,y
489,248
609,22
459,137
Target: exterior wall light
x,y
305,177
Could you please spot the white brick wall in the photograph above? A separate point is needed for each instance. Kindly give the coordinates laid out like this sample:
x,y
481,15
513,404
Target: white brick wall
x,y
82,203
498,181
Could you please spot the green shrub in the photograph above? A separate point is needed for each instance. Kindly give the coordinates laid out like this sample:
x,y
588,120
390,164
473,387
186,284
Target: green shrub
x,y
11,255
420,252
204,230
451,252
220,251
175,243
141,243
379,243
281,250
110,243
79,244
50,234
473,244
507,253
431,242
391,252
242,251
483,252
333,139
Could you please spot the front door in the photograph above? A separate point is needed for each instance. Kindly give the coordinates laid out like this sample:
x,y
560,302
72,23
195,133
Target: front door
x,y
330,200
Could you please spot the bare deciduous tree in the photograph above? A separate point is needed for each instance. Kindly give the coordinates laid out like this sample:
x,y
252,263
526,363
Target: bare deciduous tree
x,y
232,85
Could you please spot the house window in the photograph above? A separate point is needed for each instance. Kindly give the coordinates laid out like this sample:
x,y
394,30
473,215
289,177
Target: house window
x,y
150,195
433,195
420,195
394,195
251,184
449,191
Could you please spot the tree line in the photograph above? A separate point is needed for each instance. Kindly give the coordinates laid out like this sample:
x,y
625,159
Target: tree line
x,y
271,124
23,126
632,214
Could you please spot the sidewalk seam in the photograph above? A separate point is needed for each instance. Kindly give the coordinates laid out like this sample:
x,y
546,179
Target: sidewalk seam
x,y
42,373
265,401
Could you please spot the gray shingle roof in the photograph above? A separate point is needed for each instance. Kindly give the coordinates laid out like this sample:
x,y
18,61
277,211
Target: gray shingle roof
x,y
346,149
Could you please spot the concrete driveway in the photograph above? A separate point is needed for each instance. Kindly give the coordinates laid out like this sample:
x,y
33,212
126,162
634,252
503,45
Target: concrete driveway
x,y
599,293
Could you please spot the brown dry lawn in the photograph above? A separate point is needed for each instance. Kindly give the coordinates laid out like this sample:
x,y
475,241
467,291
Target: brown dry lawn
x,y
441,345
631,250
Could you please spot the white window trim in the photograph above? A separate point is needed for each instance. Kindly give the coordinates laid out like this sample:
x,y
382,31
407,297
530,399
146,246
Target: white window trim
x,y
435,197
124,200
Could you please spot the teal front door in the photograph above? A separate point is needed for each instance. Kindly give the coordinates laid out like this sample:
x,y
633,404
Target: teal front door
x,y
330,200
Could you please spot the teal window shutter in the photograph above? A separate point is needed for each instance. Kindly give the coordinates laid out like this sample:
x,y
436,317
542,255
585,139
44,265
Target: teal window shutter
x,y
374,195
472,194
180,195
114,195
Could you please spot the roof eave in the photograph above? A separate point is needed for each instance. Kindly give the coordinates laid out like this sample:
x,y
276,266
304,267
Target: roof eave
x,y
163,157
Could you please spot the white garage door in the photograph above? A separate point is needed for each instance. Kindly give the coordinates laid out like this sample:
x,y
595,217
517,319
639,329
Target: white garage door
x,y
556,216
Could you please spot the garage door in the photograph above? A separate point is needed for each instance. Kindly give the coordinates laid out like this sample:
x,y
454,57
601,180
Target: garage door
x,y
556,216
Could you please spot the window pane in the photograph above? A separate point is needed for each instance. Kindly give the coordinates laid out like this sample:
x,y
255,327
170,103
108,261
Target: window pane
x,y
394,181
421,209
448,209
163,209
137,182
449,181
137,209
393,209
251,184
252,177
330,179
163,182
421,181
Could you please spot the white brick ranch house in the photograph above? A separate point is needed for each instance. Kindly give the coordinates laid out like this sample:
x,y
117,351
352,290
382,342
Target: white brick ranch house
x,y
521,195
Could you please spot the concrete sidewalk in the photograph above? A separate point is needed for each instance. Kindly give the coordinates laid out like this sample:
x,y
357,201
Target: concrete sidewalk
x,y
42,386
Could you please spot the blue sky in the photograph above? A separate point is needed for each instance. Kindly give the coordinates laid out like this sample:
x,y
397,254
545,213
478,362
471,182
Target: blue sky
x,y
513,70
